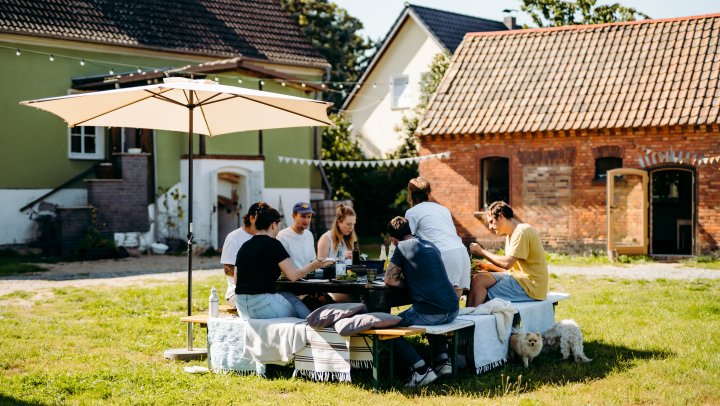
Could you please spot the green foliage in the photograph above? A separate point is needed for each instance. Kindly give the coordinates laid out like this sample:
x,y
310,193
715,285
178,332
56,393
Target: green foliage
x,y
651,342
555,13
334,33
95,246
370,189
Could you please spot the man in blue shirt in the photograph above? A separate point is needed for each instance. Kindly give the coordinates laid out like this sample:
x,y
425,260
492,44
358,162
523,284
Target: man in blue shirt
x,y
418,266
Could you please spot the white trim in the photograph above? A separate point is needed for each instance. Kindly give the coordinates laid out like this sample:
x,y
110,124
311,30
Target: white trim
x,y
99,136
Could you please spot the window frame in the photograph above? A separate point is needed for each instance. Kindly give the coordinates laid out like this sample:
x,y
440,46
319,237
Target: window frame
x,y
603,177
483,194
400,101
99,136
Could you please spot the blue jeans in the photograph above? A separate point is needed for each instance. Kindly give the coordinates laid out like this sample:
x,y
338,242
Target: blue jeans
x,y
438,343
270,306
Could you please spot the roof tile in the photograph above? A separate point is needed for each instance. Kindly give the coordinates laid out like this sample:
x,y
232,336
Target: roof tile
x,y
254,29
647,73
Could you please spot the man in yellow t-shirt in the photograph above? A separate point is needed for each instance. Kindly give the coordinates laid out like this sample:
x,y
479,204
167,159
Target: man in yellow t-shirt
x,y
521,274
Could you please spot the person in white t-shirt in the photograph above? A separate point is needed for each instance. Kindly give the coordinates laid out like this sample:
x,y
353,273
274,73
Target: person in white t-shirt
x,y
297,239
433,222
232,245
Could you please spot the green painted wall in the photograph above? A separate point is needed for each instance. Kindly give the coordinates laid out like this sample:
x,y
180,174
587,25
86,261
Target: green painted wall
x,y
33,143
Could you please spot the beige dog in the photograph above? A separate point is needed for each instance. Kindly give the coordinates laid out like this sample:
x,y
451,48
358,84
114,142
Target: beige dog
x,y
526,346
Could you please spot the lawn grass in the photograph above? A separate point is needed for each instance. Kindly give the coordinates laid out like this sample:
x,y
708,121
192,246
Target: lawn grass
x,y
653,342
13,263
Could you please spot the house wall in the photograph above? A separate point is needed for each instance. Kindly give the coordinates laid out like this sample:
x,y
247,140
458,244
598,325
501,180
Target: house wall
x,y
552,180
373,119
34,144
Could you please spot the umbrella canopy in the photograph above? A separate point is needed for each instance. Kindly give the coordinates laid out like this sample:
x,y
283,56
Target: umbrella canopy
x,y
216,109
185,105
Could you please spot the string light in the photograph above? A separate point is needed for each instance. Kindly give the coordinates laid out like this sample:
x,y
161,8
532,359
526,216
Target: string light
x,y
336,87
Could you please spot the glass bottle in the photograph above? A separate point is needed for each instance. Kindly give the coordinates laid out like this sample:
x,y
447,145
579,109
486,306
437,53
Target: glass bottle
x,y
356,254
340,262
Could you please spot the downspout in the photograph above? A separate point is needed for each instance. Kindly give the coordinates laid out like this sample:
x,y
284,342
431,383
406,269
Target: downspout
x,y
318,145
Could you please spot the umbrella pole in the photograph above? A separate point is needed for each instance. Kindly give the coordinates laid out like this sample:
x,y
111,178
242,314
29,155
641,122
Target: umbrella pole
x,y
190,234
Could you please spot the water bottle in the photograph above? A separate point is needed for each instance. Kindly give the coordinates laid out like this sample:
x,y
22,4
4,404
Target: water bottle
x,y
339,262
214,302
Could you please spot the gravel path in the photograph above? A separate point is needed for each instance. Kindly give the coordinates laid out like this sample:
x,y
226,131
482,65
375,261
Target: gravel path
x,y
158,269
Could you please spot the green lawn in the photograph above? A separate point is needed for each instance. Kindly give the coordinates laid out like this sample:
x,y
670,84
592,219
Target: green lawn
x,y
652,343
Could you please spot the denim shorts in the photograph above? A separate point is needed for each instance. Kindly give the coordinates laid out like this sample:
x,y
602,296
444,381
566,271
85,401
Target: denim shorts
x,y
507,288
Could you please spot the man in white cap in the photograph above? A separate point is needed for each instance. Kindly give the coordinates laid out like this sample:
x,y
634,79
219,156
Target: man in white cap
x,y
297,239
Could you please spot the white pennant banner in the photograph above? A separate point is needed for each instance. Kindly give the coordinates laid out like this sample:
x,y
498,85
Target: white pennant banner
x,y
653,158
370,163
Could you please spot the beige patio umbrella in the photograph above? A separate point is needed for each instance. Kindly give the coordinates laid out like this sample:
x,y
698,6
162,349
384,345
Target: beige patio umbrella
x,y
191,106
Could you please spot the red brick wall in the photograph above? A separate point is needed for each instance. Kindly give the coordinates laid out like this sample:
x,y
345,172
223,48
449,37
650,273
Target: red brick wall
x,y
552,184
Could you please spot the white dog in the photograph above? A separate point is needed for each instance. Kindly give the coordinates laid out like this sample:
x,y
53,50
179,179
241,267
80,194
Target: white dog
x,y
526,346
567,336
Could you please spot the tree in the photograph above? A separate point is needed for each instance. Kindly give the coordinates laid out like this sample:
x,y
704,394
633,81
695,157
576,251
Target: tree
x,y
554,13
333,32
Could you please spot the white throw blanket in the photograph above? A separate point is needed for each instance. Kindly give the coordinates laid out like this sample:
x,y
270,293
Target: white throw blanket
x,y
328,355
226,338
273,341
501,309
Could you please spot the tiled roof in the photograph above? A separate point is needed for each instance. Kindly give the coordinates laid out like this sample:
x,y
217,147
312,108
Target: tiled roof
x,y
450,28
258,29
636,74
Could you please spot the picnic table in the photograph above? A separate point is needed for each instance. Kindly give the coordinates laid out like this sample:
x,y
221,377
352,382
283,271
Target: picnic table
x,y
376,295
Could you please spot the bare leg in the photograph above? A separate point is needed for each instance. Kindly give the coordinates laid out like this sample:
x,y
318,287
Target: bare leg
x,y
479,285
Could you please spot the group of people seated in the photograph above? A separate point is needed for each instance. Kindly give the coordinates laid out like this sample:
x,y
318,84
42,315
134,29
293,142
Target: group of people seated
x,y
430,261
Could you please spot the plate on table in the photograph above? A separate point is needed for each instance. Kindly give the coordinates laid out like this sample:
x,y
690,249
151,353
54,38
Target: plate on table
x,y
343,280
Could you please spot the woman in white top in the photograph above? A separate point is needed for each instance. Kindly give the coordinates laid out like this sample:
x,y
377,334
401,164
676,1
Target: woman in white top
x,y
342,234
433,222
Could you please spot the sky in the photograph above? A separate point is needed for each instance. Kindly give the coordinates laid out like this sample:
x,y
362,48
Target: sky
x,y
378,15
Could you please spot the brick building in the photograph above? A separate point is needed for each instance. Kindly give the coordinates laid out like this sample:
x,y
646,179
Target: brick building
x,y
537,118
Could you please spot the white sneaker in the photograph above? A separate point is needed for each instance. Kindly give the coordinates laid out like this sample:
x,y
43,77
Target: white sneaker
x,y
417,379
444,369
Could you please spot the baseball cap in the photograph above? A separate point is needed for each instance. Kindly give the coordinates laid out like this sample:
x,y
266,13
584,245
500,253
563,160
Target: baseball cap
x,y
302,208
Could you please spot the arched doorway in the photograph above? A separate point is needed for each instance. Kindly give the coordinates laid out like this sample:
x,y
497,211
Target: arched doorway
x,y
672,210
231,199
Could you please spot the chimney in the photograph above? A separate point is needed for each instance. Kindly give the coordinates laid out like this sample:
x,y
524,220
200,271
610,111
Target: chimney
x,y
509,22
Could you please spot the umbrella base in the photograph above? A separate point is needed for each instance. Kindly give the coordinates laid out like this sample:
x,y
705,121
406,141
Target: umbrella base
x,y
183,354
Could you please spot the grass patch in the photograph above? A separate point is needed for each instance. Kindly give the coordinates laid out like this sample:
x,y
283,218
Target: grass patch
x,y
705,261
13,263
652,343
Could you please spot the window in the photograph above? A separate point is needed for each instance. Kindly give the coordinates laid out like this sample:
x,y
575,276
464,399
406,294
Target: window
x,y
602,165
495,177
400,92
86,143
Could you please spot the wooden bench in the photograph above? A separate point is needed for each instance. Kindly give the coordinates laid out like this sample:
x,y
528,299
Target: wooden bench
x,y
380,346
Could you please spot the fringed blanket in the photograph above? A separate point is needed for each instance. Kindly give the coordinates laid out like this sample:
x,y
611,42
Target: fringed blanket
x,y
489,350
226,339
246,347
329,356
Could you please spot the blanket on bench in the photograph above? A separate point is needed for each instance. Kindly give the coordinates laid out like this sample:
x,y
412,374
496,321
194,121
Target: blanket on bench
x,y
489,350
329,356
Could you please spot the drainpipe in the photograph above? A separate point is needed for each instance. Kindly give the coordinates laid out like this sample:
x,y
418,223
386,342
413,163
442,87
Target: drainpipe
x,y
318,145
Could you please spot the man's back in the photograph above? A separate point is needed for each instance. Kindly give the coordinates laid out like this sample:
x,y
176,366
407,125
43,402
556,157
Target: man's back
x,y
425,276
